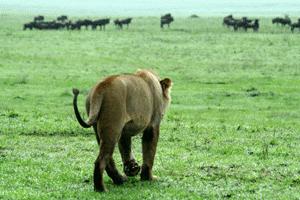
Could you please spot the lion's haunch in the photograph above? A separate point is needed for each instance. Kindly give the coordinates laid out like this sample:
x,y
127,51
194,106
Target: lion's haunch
x,y
120,107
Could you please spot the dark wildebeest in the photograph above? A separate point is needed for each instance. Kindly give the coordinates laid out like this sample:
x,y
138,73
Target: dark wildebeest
x,y
194,16
295,25
282,21
101,23
29,25
126,21
246,23
52,25
68,24
38,18
227,21
166,19
120,23
254,25
166,15
240,23
62,18
245,19
87,23
76,25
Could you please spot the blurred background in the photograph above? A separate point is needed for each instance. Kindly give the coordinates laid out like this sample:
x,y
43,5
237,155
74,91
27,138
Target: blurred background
x,y
152,7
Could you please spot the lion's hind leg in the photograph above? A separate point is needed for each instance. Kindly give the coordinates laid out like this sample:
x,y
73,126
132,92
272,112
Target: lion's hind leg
x,y
113,173
100,164
105,161
108,141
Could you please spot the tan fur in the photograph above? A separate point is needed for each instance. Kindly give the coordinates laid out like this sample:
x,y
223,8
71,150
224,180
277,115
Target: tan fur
x,y
120,107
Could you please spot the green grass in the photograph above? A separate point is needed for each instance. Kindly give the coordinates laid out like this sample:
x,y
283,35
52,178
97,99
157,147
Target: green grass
x,y
232,130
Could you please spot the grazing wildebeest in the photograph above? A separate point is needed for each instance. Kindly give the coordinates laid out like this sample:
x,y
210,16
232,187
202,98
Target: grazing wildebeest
x,y
126,21
87,23
52,25
194,16
62,18
166,19
101,23
68,24
166,15
240,23
38,18
246,23
120,23
283,21
245,19
229,21
295,25
254,25
76,25
29,25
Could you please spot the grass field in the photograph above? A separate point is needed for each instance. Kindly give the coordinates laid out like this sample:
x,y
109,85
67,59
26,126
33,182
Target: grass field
x,y
232,130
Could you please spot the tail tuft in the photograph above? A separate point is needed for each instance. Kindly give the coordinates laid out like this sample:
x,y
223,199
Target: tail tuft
x,y
75,91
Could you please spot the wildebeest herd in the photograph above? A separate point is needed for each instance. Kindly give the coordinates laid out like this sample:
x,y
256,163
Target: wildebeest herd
x,y
62,22
286,21
245,23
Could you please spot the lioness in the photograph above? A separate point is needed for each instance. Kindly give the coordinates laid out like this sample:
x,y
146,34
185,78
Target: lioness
x,y
120,107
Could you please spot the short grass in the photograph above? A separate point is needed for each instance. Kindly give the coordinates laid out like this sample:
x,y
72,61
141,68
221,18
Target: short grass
x,y
232,130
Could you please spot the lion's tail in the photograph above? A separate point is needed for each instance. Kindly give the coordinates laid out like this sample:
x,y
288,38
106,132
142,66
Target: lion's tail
x,y
93,113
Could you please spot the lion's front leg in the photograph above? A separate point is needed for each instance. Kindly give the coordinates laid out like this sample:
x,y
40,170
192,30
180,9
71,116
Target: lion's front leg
x,y
131,167
149,141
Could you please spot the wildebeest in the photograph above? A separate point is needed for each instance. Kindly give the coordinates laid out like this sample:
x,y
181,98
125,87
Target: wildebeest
x,y
76,25
29,25
68,24
79,23
166,19
283,21
295,25
254,25
240,23
166,15
101,23
120,23
243,23
245,19
62,18
86,23
51,25
229,21
194,16
38,18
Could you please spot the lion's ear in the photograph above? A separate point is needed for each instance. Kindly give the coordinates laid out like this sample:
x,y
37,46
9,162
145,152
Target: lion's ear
x,y
166,84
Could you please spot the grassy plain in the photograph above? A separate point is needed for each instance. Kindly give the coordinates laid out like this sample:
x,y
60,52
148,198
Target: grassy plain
x,y
232,130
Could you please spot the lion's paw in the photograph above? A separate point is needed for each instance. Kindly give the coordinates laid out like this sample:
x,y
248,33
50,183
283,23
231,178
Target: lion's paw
x,y
131,168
